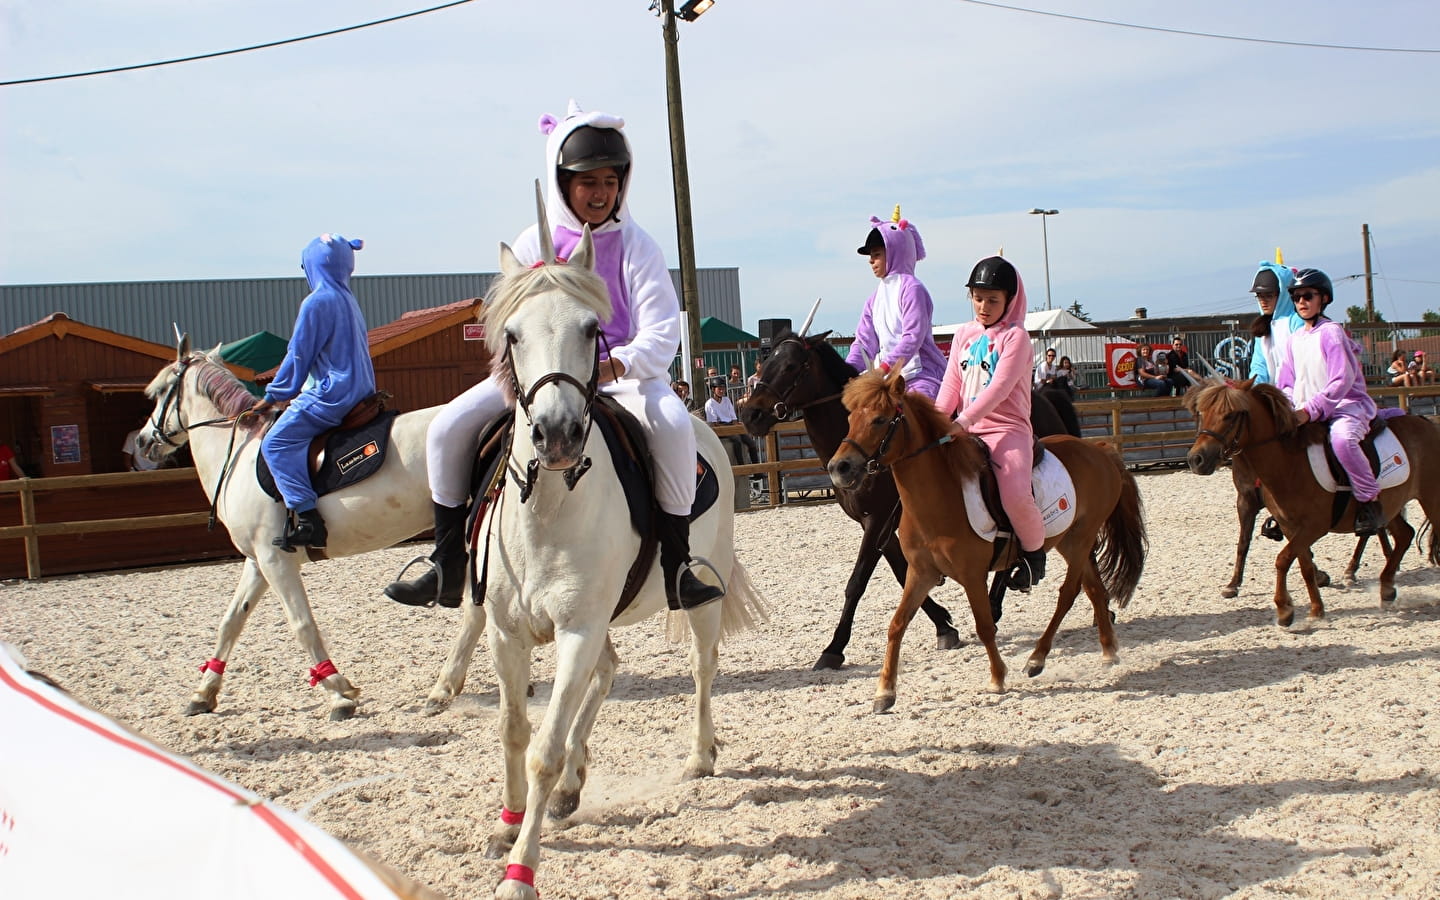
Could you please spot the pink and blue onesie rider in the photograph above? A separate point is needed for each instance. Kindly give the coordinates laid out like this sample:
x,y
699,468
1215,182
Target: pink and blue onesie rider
x,y
898,319
1269,350
1321,374
987,381
330,350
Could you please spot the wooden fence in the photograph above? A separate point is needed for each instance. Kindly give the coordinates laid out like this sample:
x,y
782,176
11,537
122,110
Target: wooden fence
x,y
170,504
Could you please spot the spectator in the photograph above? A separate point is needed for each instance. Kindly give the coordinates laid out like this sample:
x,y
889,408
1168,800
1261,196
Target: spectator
x,y
1420,373
752,381
1045,369
9,465
1178,359
720,410
1148,376
1399,372
682,390
135,461
1065,376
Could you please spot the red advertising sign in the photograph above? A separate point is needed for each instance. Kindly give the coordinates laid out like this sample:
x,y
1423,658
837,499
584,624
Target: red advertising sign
x,y
1120,364
474,332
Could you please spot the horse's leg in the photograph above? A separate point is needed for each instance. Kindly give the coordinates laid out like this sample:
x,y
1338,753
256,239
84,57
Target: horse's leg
x,y
833,656
1284,606
946,636
1404,534
1312,586
248,590
704,663
457,664
1069,588
918,581
566,798
511,658
1247,507
974,585
577,653
284,577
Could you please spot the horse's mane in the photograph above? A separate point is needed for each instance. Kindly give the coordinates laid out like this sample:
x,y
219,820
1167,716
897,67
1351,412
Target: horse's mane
x,y
1228,398
212,380
508,292
870,390
831,362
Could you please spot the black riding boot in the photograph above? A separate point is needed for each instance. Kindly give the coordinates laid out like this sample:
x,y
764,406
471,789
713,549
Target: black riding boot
x,y
305,529
1271,530
1369,517
1029,570
682,589
444,582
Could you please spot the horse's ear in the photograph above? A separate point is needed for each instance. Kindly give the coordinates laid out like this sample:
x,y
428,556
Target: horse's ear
x,y
584,253
182,349
509,264
895,368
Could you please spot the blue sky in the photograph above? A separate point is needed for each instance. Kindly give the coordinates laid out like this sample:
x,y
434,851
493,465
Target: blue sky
x,y
1177,162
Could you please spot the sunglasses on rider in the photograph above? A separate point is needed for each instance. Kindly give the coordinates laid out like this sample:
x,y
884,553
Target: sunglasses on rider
x,y
1306,295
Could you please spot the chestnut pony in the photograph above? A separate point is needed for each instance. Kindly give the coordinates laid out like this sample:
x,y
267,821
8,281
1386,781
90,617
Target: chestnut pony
x,y
1256,422
1104,547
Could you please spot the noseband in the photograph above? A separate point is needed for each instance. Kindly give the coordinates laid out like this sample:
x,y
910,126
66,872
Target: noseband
x,y
1230,446
173,398
524,398
873,461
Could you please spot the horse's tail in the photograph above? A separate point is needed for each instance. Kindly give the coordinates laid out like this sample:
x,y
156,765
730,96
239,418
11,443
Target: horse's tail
x,y
1122,543
742,608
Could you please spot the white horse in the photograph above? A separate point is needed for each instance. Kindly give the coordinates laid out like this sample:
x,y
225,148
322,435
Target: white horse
x,y
557,558
197,400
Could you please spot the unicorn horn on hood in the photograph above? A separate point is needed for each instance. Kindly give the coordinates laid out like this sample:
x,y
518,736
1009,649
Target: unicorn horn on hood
x,y
895,216
810,319
1279,257
547,240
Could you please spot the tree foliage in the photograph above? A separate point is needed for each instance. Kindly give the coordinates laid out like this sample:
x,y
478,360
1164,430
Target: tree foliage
x,y
1079,312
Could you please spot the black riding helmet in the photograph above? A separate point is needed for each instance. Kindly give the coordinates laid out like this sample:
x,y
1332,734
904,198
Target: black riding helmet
x,y
1316,280
588,148
995,273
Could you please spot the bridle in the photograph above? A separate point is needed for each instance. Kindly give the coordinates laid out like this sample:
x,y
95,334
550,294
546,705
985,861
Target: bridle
x,y
173,398
875,462
524,398
1229,446
782,409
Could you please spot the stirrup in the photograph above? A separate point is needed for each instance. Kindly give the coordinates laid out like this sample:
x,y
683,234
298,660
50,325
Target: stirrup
x,y
439,583
687,567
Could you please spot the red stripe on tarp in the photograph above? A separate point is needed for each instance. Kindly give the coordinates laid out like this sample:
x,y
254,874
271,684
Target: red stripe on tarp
x,y
266,815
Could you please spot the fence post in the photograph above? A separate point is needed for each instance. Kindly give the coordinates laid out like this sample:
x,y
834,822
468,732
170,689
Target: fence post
x,y
32,540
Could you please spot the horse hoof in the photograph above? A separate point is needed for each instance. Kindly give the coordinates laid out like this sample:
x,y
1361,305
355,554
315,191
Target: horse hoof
x,y
1229,591
434,706
198,708
1322,578
948,640
563,804
1034,667
829,661
1388,596
1286,620
698,767
342,711
883,704
501,842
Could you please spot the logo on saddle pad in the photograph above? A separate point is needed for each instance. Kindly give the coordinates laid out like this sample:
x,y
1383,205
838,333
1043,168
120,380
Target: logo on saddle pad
x,y
1054,494
357,456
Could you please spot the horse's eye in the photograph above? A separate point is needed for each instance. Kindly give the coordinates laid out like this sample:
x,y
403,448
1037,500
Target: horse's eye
x,y
511,338
879,421
591,330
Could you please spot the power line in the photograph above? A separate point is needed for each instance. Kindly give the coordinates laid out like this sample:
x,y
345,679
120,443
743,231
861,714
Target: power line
x,y
1203,34
183,59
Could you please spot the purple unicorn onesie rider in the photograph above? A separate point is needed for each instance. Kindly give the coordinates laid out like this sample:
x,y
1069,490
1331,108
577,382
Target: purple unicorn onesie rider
x,y
898,318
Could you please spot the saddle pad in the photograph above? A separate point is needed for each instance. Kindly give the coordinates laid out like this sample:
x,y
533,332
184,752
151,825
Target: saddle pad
x,y
350,457
1394,464
636,478
1054,493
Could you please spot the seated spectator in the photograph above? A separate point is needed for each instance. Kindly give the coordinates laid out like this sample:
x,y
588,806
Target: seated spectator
x,y
682,390
720,410
1045,369
1178,358
1065,376
1148,374
1420,372
1398,372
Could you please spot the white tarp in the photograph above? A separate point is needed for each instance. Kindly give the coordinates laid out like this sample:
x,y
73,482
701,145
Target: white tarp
x,y
91,809
1080,348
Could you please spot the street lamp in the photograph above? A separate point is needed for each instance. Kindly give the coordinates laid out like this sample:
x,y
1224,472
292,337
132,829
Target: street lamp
x,y
1044,236
690,10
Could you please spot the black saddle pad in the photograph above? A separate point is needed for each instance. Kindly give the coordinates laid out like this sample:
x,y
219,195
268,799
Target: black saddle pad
x,y
623,431
350,456
1367,446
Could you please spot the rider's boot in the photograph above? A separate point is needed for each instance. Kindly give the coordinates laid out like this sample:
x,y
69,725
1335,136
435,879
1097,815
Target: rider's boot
x,y
682,589
444,582
1369,517
1271,530
303,529
1029,570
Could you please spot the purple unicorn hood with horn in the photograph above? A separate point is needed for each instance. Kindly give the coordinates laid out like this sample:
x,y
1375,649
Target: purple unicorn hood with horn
x,y
903,246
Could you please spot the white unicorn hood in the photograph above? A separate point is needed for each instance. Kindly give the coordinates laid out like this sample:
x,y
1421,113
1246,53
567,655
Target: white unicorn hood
x,y
558,130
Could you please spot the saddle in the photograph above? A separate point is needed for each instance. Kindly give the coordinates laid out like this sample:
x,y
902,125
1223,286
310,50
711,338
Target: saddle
x,y
629,448
1340,477
346,454
1054,492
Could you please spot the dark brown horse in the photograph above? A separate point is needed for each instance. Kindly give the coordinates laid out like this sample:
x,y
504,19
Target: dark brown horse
x,y
1256,422
1104,547
804,375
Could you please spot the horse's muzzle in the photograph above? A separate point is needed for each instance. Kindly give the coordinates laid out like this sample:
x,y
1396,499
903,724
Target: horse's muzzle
x,y
846,471
1202,460
559,442
757,421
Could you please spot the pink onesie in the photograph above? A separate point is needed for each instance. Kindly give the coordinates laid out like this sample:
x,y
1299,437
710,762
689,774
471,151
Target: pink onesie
x,y
987,379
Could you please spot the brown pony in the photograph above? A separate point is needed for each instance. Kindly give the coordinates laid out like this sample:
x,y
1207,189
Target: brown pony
x,y
1104,549
1256,423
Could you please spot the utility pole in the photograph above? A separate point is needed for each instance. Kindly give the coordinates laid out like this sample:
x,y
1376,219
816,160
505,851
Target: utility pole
x,y
684,229
1369,281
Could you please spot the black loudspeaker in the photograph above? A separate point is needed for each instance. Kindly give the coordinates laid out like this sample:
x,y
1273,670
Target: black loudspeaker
x,y
769,328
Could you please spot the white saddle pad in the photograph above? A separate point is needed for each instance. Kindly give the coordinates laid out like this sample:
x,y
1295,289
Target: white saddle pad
x,y
1394,464
1054,494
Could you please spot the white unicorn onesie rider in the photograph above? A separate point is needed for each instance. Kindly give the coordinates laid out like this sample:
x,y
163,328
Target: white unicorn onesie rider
x,y
587,169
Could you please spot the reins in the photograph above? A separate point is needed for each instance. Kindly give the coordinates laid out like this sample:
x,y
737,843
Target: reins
x,y
875,462
524,398
173,398
782,409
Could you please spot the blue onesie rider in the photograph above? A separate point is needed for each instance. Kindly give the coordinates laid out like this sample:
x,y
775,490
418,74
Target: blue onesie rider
x,y
326,371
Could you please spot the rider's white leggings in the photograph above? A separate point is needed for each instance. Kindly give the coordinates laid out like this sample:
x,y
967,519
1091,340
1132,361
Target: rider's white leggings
x,y
454,436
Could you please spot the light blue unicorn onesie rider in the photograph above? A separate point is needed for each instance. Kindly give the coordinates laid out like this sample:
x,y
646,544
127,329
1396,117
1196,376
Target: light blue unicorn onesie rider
x,y
1276,322
326,371
588,170
898,319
